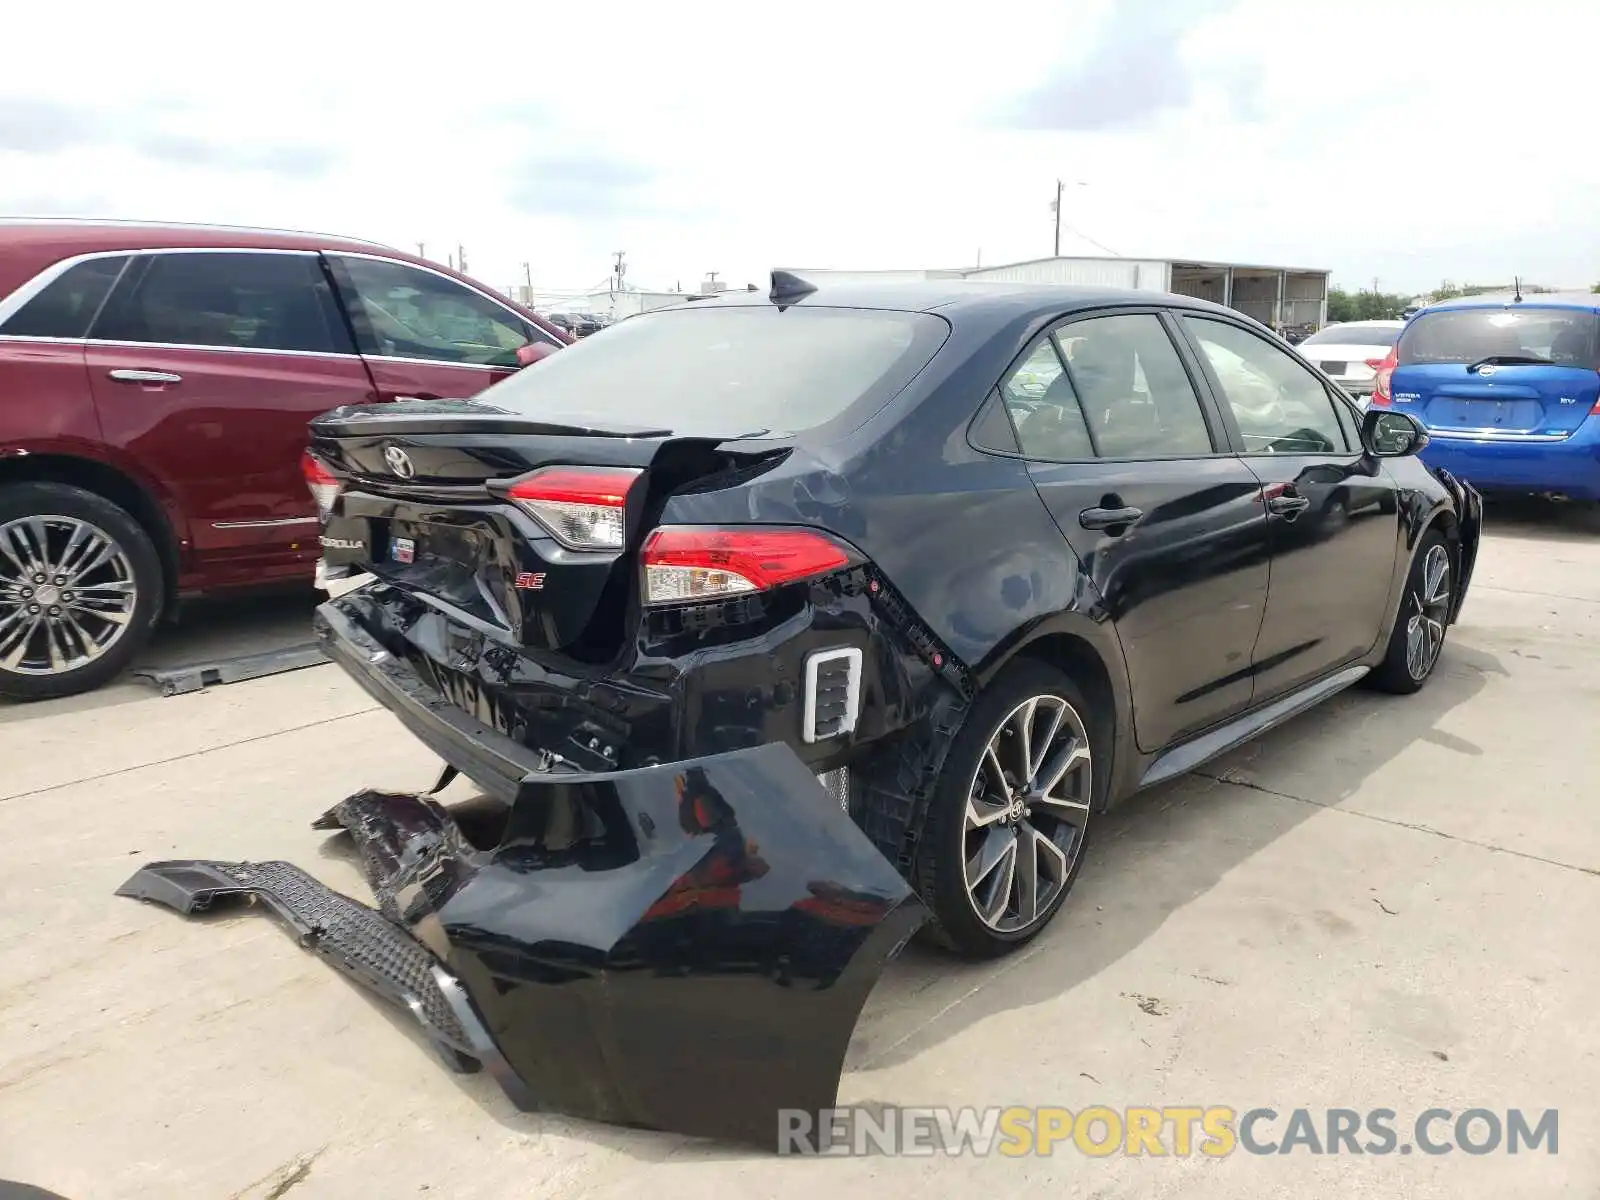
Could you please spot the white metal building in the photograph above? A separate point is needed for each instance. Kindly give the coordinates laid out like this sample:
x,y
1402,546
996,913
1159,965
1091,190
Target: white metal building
x,y
1278,297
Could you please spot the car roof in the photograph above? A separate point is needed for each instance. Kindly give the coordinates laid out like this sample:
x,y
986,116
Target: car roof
x,y
1383,322
1573,300
67,237
956,297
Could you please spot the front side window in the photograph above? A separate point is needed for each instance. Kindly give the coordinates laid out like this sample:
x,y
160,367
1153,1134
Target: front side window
x,y
412,313
1280,406
1045,409
69,302
1133,387
229,301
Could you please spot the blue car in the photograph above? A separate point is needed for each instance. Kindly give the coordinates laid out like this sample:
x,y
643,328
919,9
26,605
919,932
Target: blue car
x,y
1508,388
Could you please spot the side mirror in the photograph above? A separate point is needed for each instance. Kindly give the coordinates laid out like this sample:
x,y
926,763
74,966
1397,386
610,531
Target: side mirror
x,y
533,352
1389,434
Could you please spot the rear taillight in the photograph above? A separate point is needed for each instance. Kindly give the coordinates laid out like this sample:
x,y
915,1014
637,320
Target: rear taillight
x,y
1381,396
685,563
584,508
324,486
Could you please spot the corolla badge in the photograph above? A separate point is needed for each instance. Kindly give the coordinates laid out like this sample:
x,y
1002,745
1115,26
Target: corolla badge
x,y
399,462
1487,369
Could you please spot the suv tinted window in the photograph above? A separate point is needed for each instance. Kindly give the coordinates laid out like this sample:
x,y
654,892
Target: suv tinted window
x,y
1133,387
65,307
1045,409
411,313
724,370
228,300
1464,335
1281,407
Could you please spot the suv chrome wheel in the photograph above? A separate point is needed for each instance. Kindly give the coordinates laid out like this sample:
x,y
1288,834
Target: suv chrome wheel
x,y
1027,809
1430,610
67,594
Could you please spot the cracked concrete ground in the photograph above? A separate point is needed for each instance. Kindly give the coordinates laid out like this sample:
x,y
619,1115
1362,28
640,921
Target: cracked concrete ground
x,y
1387,903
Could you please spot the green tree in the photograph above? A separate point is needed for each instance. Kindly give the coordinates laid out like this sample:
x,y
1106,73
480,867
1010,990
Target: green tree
x,y
1364,306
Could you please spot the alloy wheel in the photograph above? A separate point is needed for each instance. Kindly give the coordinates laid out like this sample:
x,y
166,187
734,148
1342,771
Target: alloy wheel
x,y
1027,811
1430,610
67,594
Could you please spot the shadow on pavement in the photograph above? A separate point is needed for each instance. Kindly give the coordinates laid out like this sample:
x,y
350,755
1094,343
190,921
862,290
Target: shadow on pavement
x,y
1153,855
1533,518
205,632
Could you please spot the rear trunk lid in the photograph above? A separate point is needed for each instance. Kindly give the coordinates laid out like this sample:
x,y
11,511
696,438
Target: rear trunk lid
x,y
429,502
1512,372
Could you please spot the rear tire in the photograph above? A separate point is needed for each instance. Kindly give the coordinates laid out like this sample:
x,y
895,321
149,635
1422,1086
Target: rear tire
x,y
81,590
1003,845
1422,620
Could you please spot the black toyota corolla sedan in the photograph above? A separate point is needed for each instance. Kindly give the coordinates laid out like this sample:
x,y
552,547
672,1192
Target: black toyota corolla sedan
x,y
778,622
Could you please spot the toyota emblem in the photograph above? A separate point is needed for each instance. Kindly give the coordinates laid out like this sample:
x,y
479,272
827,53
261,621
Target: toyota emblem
x,y
399,462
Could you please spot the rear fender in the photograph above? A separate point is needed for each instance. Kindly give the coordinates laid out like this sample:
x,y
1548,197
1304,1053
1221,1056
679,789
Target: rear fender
x,y
684,947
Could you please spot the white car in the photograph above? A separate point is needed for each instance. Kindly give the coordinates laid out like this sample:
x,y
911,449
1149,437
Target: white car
x,y
1350,352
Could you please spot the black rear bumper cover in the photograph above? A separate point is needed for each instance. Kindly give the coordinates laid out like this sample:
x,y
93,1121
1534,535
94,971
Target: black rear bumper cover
x,y
683,947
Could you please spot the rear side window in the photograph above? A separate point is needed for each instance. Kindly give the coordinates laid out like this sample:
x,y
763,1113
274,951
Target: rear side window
x,y
721,371
1566,336
69,302
229,301
1045,409
1132,385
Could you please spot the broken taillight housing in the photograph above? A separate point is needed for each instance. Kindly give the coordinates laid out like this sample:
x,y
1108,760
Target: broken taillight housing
x,y
584,508
688,563
324,486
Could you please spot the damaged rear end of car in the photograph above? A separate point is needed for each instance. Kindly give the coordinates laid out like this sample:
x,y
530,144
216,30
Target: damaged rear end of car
x,y
608,604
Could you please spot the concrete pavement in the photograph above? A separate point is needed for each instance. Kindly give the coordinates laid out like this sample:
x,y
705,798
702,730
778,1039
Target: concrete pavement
x,y
1387,903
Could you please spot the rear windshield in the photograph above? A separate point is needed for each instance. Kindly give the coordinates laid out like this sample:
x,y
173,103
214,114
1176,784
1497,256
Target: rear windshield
x,y
1466,335
1355,335
729,370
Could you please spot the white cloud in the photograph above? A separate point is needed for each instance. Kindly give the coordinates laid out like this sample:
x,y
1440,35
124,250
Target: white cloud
x,y
1407,141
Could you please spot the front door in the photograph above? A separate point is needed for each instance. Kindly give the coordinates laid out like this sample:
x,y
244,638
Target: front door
x,y
1164,519
206,366
1333,512
425,335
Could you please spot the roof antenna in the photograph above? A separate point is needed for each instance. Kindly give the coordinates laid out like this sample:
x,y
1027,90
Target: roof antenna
x,y
788,286
1516,286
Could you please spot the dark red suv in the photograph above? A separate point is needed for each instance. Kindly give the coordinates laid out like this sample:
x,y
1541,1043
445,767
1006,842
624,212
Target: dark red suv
x,y
155,385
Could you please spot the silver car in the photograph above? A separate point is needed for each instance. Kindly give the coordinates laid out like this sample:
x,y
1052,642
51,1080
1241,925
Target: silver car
x,y
1350,352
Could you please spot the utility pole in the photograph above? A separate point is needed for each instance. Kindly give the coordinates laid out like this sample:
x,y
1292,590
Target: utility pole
x,y
1058,218
618,272
422,250
461,258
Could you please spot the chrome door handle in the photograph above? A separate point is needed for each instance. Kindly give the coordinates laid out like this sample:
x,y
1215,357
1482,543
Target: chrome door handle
x,y
122,375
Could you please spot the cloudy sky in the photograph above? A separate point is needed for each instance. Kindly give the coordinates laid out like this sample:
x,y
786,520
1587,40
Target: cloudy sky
x,y
1407,140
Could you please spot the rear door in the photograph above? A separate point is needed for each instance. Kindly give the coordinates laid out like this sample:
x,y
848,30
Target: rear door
x,y
426,336
1442,378
44,390
1137,473
207,367
1333,513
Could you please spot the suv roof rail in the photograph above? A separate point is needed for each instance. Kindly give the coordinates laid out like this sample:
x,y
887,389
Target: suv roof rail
x,y
123,223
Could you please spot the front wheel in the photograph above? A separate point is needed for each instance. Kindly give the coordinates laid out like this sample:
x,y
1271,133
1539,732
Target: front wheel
x,y
1420,625
1008,822
80,590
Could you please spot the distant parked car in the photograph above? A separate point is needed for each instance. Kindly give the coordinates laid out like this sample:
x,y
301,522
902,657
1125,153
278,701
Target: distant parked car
x,y
155,385
1508,388
1352,351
